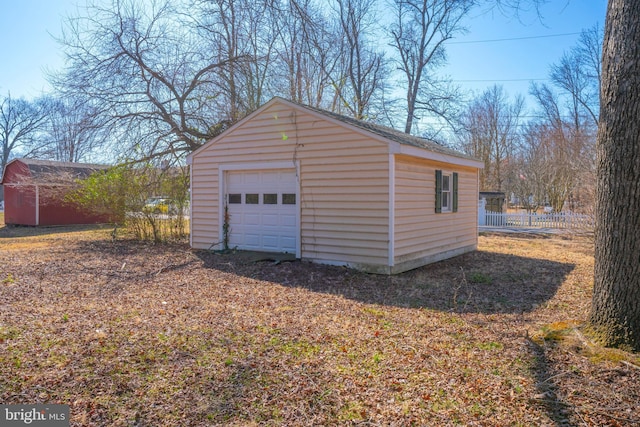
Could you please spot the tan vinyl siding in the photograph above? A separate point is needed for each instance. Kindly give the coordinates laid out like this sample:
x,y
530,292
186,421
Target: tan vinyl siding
x,y
420,233
344,196
344,190
204,205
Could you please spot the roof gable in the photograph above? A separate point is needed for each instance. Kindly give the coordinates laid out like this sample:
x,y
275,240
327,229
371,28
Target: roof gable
x,y
417,147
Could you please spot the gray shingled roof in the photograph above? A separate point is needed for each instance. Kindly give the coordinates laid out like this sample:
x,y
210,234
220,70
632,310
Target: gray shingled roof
x,y
47,167
47,170
389,133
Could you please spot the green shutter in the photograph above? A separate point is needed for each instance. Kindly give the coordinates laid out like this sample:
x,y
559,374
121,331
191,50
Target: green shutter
x,y
455,191
438,191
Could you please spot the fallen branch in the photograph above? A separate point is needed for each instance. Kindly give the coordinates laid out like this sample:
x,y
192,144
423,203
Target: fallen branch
x,y
173,267
555,376
630,364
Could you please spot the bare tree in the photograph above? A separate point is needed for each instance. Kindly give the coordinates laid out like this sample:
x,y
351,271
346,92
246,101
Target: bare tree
x,y
307,54
568,140
74,130
148,67
245,30
530,169
491,133
258,73
361,77
578,75
20,123
418,34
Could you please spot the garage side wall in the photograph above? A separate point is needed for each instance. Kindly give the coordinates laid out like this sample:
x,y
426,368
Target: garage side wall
x,y
343,180
421,235
205,223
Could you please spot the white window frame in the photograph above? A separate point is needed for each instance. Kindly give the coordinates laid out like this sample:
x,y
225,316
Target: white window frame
x,y
449,192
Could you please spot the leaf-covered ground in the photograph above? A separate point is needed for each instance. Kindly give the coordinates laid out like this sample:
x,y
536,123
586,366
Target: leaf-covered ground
x,y
132,334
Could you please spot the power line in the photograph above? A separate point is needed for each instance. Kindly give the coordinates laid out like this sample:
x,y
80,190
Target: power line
x,y
499,80
514,38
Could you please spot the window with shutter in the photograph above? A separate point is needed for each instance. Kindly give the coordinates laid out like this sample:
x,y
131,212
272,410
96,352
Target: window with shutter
x,y
446,191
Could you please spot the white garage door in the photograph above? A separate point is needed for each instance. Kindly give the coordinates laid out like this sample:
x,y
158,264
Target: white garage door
x,y
262,210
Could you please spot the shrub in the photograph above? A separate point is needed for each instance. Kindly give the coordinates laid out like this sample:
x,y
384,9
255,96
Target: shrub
x,y
122,192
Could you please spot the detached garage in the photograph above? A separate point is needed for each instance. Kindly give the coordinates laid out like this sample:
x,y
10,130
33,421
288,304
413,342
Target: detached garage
x,y
331,189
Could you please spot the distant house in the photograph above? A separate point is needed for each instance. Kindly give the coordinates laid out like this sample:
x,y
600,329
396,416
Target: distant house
x,y
331,189
34,193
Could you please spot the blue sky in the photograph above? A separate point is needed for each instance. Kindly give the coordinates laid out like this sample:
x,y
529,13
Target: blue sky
x,y
477,61
29,49
27,46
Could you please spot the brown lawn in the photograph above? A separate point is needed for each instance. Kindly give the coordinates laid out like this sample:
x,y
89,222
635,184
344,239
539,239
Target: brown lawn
x,y
129,333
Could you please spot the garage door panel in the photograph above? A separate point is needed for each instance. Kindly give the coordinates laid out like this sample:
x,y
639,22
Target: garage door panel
x,y
234,180
271,179
251,178
271,226
288,220
252,239
270,241
271,220
288,242
236,240
250,219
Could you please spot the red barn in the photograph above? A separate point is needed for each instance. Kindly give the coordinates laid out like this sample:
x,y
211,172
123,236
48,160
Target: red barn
x,y
34,193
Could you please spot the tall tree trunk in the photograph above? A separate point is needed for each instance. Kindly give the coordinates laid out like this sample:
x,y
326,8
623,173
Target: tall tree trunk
x,y
615,315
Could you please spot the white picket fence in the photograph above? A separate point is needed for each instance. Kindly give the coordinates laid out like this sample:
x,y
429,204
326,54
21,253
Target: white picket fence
x,y
526,220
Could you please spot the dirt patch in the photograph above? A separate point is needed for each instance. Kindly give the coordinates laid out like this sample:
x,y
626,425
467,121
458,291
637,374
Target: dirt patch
x,y
129,333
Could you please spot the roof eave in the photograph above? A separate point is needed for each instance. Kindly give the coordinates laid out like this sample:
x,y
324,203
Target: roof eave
x,y
395,147
427,154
